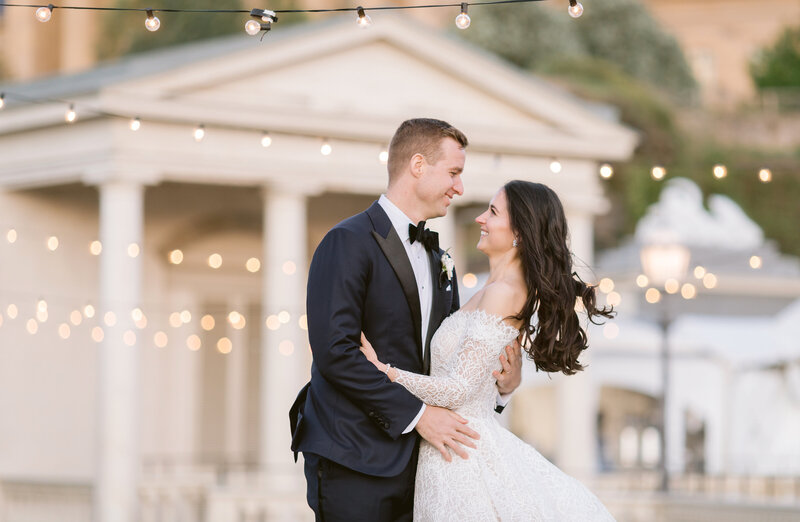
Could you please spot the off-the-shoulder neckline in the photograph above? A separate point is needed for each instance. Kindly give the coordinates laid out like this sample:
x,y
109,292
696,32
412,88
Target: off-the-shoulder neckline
x,y
498,319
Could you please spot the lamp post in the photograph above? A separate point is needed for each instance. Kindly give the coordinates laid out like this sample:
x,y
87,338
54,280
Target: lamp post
x,y
665,264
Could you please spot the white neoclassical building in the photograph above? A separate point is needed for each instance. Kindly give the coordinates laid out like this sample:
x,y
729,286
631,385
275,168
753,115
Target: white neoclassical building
x,y
152,284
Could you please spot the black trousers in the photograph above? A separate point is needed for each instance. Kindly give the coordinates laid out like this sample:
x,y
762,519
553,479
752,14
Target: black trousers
x,y
339,494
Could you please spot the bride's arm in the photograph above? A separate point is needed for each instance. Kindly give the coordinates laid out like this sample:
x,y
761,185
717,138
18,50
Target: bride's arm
x,y
466,373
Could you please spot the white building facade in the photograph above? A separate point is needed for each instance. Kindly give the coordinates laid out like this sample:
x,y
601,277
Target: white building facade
x,y
149,376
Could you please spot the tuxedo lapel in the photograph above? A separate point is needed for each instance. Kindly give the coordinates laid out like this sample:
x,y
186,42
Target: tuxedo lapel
x,y
439,305
395,253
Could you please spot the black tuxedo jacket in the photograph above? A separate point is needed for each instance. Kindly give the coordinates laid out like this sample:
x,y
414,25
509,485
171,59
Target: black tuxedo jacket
x,y
361,280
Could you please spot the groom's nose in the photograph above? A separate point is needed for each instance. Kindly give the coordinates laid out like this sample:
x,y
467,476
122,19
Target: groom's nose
x,y
458,186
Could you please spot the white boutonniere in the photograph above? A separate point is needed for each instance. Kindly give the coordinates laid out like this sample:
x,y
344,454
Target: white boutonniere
x,y
448,265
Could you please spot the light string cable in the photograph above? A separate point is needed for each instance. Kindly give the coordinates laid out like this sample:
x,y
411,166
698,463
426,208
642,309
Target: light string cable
x,y
261,19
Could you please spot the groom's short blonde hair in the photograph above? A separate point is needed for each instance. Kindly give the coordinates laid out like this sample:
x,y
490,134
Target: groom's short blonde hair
x,y
420,136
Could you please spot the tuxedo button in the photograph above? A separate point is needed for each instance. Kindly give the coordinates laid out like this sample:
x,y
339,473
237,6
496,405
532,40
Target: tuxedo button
x,y
371,414
385,425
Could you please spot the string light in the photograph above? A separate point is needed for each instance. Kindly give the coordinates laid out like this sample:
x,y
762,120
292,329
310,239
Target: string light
x,y
88,311
765,175
326,148
70,116
555,166
658,172
699,272
610,330
266,140
364,20
463,20
152,23
755,262
52,243
383,156
136,124
575,9
253,265
606,171
133,250
199,133
469,280
215,261
642,281
688,291
720,171
224,345
709,280
207,323
43,14
286,348
289,267
652,295
193,342
176,257
12,311
160,339
606,285
252,27
11,236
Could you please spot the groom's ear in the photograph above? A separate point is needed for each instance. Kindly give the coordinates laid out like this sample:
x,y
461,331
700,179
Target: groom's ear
x,y
417,165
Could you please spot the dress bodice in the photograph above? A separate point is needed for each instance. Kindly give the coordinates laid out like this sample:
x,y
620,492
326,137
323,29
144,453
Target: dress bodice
x,y
464,352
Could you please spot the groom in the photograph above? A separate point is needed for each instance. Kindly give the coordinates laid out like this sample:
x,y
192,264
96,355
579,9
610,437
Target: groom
x,y
382,272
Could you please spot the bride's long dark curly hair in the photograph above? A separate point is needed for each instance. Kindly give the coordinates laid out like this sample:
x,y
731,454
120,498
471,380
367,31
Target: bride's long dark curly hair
x,y
538,222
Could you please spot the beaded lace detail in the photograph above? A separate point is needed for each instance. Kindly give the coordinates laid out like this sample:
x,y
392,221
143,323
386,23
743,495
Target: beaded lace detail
x,y
504,478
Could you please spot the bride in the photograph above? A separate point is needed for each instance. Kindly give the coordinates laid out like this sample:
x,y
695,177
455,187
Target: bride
x,y
524,234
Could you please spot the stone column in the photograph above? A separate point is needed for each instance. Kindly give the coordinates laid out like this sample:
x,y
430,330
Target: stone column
x,y
576,396
118,454
236,383
284,356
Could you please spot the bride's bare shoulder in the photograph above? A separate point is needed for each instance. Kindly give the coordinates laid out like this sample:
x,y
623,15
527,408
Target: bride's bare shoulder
x,y
501,298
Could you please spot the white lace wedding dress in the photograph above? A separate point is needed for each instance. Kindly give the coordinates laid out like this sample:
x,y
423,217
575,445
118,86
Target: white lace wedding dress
x,y
504,478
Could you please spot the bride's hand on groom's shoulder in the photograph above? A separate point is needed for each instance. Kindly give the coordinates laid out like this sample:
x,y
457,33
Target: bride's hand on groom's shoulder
x,y
510,377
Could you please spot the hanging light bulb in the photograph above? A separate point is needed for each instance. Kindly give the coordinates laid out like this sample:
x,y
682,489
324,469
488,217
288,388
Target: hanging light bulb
x,y
364,20
136,124
261,20
152,23
252,27
199,132
463,20
575,9
2,100
43,14
266,140
326,148
71,115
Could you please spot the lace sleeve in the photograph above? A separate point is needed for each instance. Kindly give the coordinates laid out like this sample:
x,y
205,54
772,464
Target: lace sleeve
x,y
466,371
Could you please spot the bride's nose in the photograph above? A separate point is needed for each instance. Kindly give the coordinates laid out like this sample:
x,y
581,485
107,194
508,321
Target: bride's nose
x,y
481,219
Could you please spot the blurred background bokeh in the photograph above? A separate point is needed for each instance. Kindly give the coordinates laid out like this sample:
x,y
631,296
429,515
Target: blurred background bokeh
x,y
162,193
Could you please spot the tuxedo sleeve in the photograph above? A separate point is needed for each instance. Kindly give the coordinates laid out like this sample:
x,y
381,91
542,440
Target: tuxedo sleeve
x,y
337,288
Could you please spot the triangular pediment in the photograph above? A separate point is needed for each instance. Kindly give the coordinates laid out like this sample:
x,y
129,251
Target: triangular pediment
x,y
359,82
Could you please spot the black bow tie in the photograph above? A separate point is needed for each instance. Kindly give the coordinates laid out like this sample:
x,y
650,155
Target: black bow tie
x,y
429,239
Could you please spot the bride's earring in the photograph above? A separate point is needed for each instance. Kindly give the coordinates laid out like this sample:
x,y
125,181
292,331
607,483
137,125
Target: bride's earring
x,y
514,244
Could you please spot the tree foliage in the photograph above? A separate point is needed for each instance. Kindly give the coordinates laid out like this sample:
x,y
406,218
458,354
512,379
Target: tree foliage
x,y
621,32
779,64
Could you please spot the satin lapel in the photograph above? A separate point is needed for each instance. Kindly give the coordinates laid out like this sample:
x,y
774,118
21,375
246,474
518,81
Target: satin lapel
x,y
437,305
396,254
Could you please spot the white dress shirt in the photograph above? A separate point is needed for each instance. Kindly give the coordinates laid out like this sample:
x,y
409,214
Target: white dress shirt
x,y
418,257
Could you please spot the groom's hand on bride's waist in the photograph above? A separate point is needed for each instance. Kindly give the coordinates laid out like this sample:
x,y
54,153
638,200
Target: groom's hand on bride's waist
x,y
444,429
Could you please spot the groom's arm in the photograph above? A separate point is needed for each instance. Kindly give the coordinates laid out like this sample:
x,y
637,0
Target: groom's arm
x,y
337,288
